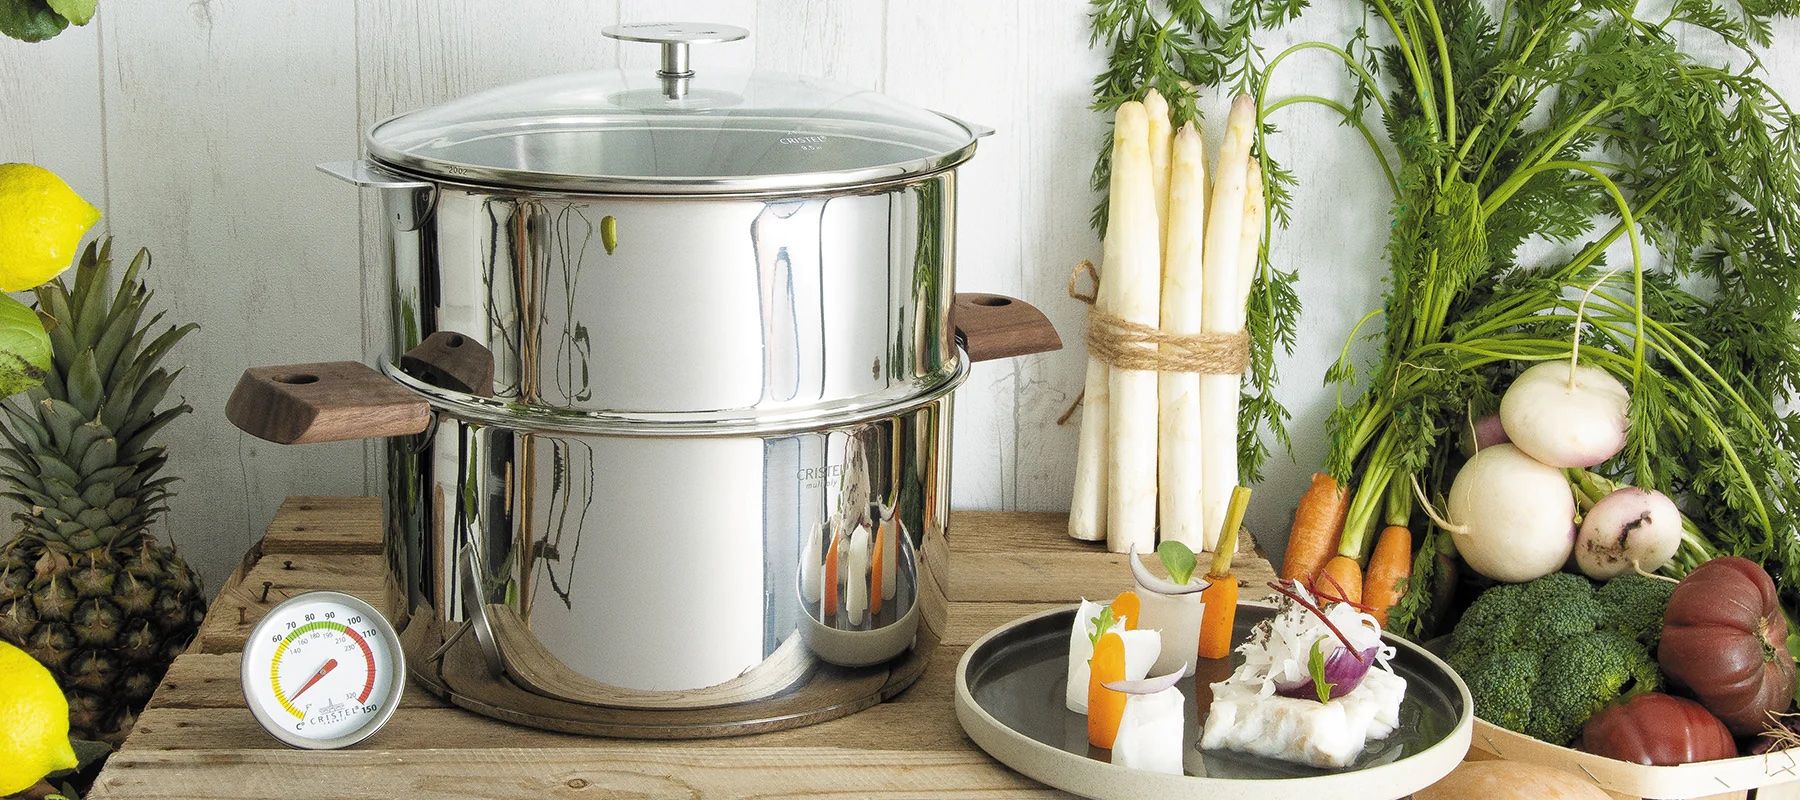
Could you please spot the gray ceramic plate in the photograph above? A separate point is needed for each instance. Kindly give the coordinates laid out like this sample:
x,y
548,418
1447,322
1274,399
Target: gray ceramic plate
x,y
1009,697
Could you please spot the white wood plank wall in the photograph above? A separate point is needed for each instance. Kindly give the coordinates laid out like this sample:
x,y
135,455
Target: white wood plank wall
x,y
195,126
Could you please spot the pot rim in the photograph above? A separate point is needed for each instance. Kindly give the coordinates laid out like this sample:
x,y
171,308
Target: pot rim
x,y
778,185
696,424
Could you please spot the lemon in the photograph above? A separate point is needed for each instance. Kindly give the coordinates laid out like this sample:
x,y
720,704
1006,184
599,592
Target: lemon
x,y
41,224
34,740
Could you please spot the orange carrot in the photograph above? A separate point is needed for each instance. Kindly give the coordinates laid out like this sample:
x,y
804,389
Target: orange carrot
x,y
1125,607
1317,523
875,566
1221,613
1341,580
1105,706
1219,618
1389,570
831,576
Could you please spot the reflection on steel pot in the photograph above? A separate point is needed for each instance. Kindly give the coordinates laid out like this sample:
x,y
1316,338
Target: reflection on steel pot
x,y
670,372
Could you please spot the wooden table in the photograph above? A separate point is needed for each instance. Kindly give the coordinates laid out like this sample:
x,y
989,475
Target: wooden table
x,y
198,740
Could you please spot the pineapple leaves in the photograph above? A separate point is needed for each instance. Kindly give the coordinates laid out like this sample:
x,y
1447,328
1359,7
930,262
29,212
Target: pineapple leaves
x,y
83,385
79,450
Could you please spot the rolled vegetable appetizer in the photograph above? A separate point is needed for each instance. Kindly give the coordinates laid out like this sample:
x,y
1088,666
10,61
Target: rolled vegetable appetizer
x,y
1141,646
1151,734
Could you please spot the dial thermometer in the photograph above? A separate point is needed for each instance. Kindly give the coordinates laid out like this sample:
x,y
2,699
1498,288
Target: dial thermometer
x,y
323,670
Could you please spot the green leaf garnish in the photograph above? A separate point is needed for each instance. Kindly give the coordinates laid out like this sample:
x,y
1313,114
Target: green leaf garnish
x,y
1177,559
1102,623
1315,666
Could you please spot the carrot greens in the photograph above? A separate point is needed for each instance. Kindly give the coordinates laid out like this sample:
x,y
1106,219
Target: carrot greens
x,y
1663,188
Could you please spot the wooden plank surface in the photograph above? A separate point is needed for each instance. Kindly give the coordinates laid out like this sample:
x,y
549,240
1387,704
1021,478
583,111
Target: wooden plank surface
x,y
198,740
326,526
630,769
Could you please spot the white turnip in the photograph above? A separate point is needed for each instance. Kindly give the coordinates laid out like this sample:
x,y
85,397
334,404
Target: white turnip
x,y
1631,528
1566,415
1513,516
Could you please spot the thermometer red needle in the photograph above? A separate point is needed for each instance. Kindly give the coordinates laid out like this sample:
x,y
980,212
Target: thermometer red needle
x,y
324,669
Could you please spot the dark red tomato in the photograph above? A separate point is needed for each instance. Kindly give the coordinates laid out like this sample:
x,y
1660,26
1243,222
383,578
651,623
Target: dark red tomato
x,y
1657,730
1725,640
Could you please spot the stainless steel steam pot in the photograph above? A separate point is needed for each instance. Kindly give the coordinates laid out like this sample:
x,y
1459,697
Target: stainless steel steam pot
x,y
668,384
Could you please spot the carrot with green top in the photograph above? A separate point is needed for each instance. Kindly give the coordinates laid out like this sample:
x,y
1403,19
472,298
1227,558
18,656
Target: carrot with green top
x,y
1390,567
1340,581
1105,706
1313,539
1221,596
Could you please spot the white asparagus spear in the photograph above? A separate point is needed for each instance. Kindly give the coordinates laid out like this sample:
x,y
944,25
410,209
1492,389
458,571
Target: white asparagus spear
x,y
1087,504
1224,238
812,583
1161,143
856,593
1178,419
1136,269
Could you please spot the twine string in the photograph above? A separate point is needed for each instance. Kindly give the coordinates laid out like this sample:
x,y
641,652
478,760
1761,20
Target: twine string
x,y
1124,344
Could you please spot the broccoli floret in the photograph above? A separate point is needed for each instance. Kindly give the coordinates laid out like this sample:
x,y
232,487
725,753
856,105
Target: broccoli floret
x,y
1580,676
1633,605
1501,685
1561,605
1490,624
1541,657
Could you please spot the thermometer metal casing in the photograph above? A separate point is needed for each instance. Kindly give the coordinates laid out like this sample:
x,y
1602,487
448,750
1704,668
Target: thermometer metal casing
x,y
323,670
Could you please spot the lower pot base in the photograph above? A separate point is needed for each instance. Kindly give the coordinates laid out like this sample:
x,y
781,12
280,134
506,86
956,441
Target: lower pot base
x,y
459,673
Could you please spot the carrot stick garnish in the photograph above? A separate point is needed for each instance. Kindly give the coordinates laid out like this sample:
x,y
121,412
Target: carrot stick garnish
x,y
831,577
1105,706
1220,615
1125,607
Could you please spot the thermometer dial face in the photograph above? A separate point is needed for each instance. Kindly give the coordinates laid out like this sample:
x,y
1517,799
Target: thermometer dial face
x,y
323,670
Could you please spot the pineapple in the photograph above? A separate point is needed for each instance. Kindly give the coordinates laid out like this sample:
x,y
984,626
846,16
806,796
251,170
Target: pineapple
x,y
83,586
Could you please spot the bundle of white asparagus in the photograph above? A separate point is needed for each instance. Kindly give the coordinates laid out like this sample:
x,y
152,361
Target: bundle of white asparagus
x,y
1158,448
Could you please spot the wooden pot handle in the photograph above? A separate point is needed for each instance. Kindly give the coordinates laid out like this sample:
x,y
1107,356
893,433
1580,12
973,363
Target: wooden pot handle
x,y
452,361
991,326
325,402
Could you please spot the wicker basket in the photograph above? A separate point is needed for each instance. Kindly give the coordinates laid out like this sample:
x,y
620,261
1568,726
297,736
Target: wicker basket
x,y
1775,776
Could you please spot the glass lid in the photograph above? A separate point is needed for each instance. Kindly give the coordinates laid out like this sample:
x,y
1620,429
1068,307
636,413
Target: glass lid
x,y
680,129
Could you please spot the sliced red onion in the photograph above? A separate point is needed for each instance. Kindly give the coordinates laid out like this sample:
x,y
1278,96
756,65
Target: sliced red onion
x,y
1147,685
1343,670
1162,586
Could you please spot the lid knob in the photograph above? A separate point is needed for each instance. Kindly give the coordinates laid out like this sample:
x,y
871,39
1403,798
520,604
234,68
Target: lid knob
x,y
675,38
